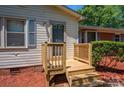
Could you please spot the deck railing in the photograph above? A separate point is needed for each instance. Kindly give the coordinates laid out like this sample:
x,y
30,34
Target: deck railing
x,y
54,57
83,53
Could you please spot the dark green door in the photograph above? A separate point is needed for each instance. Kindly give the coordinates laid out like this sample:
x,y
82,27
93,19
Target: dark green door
x,y
57,37
58,33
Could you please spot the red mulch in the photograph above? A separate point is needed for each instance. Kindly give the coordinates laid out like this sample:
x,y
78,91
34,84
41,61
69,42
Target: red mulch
x,y
26,78
110,76
112,63
111,71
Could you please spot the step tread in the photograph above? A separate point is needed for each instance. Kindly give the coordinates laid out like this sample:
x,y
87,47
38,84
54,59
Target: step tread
x,y
86,75
74,65
78,68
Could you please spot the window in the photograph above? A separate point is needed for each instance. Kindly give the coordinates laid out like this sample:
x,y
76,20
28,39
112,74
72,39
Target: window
x,y
91,36
117,37
16,33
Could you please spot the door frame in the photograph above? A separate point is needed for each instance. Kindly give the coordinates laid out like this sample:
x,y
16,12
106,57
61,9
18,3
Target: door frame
x,y
51,31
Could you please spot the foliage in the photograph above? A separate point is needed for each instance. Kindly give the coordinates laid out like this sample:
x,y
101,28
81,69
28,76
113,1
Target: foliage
x,y
101,49
104,16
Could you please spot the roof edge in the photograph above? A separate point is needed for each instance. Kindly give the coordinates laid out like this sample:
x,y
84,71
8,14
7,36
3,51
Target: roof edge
x,y
71,12
102,29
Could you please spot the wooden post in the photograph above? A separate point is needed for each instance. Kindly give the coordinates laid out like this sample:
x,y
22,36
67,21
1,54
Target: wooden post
x,y
45,57
64,56
74,51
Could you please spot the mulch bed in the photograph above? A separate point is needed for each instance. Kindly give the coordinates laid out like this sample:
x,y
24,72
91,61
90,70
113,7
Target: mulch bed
x,y
27,77
111,71
110,62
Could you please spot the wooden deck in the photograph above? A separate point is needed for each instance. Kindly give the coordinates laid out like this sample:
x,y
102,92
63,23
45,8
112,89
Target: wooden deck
x,y
74,65
79,71
55,62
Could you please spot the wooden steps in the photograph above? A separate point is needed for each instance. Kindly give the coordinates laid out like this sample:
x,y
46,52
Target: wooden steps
x,y
75,67
83,79
80,74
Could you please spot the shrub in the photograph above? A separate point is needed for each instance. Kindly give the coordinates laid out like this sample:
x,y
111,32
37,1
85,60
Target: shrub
x,y
101,49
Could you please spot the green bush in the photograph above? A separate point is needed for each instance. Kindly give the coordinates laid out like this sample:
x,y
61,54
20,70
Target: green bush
x,y
101,49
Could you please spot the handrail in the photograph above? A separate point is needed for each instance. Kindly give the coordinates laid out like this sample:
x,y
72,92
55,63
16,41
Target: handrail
x,y
83,52
54,43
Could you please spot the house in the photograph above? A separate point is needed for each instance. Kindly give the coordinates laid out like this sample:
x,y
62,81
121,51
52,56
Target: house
x,y
91,33
24,28
24,31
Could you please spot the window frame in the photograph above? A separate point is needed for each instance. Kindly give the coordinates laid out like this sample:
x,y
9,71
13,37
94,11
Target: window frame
x,y
52,22
0,32
0,39
86,35
4,33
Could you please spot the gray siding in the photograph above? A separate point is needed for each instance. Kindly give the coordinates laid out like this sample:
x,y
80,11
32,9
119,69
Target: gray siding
x,y
41,14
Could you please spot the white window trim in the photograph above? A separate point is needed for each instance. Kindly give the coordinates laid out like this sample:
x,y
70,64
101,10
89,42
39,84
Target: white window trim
x,y
0,37
1,33
4,34
26,33
50,33
25,36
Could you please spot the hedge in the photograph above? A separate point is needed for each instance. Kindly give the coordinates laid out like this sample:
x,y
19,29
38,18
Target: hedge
x,y
101,49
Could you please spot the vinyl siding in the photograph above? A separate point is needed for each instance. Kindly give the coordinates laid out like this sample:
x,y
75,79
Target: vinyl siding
x,y
42,14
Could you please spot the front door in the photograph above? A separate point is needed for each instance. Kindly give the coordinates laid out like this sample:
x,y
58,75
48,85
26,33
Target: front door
x,y
58,33
57,37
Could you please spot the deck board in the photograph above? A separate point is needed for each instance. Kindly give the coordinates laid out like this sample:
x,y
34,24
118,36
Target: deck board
x,y
73,65
77,71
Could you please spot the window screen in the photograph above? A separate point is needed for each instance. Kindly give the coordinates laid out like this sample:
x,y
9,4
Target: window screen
x,y
15,32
